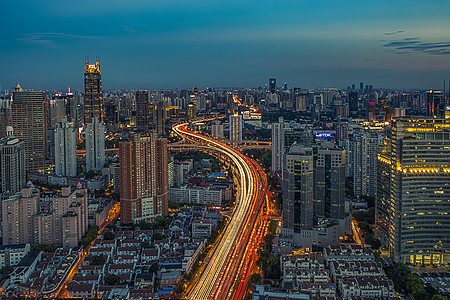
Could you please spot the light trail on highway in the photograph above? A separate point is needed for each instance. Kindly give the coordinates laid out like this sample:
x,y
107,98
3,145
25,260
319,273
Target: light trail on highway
x,y
240,238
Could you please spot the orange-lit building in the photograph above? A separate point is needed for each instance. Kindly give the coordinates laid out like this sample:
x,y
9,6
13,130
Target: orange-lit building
x,y
93,97
144,183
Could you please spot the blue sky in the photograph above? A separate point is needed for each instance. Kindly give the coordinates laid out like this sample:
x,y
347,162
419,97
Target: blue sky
x,y
173,43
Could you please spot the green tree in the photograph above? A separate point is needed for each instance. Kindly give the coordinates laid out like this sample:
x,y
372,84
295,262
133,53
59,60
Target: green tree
x,y
108,235
98,260
44,247
112,280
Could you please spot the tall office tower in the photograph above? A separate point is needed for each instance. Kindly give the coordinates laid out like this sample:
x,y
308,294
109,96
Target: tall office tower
x,y
95,145
162,178
65,148
272,85
235,128
29,120
191,112
93,97
413,185
217,130
361,87
3,122
330,182
298,178
277,145
353,102
371,116
161,117
143,163
12,165
142,110
435,104
17,212
364,146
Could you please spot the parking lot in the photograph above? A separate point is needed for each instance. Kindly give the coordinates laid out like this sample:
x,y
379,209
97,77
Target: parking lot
x,y
438,280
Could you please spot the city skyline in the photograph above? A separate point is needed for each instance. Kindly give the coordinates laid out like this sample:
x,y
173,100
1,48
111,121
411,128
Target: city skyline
x,y
202,43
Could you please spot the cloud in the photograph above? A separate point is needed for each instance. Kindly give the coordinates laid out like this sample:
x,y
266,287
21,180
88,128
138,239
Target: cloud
x,y
395,32
49,38
407,45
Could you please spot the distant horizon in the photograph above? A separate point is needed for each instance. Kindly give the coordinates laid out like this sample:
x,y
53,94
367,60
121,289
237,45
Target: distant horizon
x,y
178,44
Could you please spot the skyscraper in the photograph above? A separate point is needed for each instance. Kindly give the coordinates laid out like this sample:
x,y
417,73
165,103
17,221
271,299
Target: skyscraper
x,y
12,164
95,145
413,185
29,120
191,112
143,163
330,182
364,147
142,111
298,178
278,145
235,127
273,85
65,148
93,97
435,104
217,130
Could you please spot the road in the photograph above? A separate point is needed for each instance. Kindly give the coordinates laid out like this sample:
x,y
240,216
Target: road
x,y
230,266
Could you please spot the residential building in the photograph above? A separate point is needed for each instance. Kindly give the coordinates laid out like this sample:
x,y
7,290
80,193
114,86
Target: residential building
x,y
235,128
277,145
95,145
143,178
65,148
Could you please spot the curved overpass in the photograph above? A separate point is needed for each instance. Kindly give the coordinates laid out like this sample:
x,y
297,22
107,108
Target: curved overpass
x,y
219,278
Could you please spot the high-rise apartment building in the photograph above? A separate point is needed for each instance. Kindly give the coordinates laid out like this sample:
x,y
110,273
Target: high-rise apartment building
x,y
329,173
298,182
235,127
29,120
364,147
160,117
143,163
12,164
143,118
278,145
64,225
93,97
413,185
217,130
65,148
95,145
17,212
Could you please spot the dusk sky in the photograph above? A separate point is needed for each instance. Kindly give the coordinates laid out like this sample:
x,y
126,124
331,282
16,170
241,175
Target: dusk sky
x,y
225,43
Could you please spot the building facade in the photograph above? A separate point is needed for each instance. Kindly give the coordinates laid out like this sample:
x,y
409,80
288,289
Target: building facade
x,y
413,185
29,120
143,163
12,164
65,148
93,97
95,145
298,177
143,118
278,145
235,128
329,182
